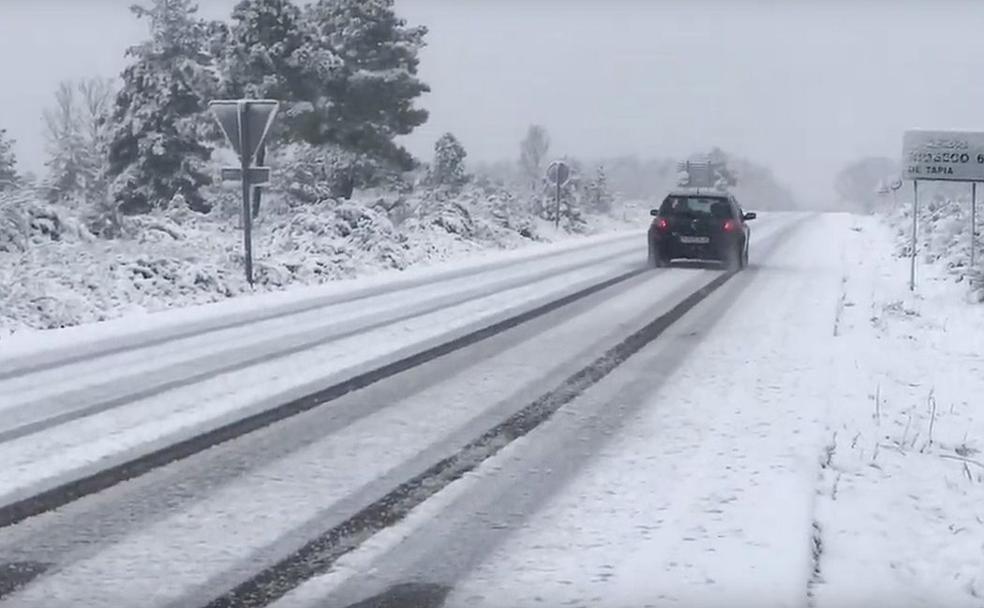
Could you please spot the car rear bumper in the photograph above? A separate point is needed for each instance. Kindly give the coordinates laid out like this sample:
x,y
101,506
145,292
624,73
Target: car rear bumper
x,y
672,249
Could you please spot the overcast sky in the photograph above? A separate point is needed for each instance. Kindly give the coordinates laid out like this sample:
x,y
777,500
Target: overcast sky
x,y
799,86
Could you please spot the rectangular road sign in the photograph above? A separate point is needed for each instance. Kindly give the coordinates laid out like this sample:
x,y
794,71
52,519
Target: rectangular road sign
x,y
256,176
700,173
943,156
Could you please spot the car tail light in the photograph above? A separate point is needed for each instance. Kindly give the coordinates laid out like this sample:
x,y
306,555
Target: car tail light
x,y
662,224
730,226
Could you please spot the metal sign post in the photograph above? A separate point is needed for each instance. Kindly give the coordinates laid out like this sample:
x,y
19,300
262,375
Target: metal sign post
x,y
895,186
557,208
245,123
559,173
954,156
973,223
915,226
245,160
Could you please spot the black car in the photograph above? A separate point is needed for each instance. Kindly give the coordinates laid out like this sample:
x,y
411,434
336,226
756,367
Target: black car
x,y
700,226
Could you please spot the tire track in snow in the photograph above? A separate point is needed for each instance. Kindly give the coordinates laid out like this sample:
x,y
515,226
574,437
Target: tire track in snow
x,y
218,363
317,555
46,360
71,491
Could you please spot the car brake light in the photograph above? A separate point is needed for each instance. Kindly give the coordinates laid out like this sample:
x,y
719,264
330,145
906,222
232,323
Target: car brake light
x,y
730,226
662,225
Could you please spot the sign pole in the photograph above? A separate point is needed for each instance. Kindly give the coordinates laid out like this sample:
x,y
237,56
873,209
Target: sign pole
x,y
247,206
915,215
973,222
557,205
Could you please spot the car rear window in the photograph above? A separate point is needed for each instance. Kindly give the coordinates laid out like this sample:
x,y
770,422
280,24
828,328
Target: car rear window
x,y
696,206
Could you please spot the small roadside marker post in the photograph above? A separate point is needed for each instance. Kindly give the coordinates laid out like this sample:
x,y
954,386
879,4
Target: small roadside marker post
x,y
559,173
246,123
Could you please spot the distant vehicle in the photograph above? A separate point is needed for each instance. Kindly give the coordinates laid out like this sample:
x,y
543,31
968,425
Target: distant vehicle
x,y
699,225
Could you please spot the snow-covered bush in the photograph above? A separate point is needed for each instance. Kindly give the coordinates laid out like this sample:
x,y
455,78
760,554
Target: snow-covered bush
x,y
25,221
8,163
944,236
310,174
448,168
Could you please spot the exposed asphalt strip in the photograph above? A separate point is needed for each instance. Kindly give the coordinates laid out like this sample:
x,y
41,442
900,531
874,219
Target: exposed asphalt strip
x,y
96,482
317,556
113,346
212,365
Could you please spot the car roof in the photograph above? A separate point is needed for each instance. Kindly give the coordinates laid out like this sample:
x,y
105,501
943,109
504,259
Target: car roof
x,y
703,192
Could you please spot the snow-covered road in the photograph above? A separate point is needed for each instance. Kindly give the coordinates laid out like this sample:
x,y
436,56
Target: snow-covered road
x,y
684,463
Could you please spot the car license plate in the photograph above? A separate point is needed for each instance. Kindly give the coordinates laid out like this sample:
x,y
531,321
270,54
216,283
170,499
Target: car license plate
x,y
695,240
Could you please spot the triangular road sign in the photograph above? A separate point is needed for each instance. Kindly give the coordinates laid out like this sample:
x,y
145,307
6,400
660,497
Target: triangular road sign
x,y
245,123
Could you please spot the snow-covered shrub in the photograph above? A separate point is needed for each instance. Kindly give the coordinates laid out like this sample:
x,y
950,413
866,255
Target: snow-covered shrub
x,y
944,237
332,239
448,168
310,174
25,220
8,163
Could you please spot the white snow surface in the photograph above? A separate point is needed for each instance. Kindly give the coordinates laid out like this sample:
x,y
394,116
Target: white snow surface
x,y
190,408
190,547
818,443
788,461
901,496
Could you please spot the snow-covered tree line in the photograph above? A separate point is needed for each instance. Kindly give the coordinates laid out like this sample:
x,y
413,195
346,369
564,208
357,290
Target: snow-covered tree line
x,y
345,72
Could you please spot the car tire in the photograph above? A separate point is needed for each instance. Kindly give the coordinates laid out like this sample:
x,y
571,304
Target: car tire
x,y
734,259
656,259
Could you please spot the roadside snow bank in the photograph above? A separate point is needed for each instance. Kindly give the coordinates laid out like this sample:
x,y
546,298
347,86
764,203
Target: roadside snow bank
x,y
900,508
944,237
54,273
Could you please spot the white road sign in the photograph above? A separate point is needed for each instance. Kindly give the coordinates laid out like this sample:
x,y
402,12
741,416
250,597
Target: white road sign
x,y
943,155
558,172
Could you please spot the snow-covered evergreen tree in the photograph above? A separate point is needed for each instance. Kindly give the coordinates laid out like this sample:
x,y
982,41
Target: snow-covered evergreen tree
x,y
76,136
571,200
8,162
533,154
598,194
268,51
371,94
448,168
156,150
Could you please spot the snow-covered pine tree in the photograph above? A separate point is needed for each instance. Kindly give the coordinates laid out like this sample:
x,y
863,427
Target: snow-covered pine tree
x,y
533,154
269,51
76,137
571,200
372,93
8,162
448,168
156,150
598,194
